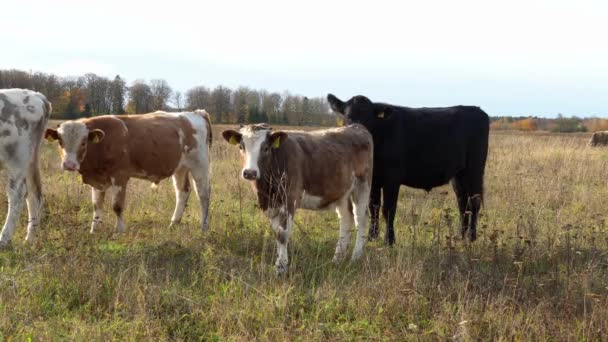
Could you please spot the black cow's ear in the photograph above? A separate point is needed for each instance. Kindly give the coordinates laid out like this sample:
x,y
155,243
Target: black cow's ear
x,y
232,137
383,112
335,103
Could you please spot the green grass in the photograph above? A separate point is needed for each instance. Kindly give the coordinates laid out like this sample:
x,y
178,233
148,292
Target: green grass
x,y
539,269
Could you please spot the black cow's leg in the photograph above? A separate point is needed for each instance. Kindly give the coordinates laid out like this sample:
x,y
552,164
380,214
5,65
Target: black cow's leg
x,y
469,193
461,198
475,192
374,211
390,195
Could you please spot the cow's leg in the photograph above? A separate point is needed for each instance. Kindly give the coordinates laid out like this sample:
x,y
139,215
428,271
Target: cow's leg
x,y
281,221
374,211
344,211
118,204
34,201
360,199
97,196
203,191
469,194
16,189
181,183
390,194
474,182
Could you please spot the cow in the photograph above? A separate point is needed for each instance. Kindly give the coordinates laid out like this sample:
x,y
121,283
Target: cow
x,y
23,117
108,150
422,148
318,170
599,139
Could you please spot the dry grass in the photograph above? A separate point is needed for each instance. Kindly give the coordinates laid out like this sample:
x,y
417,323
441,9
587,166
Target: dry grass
x,y
538,271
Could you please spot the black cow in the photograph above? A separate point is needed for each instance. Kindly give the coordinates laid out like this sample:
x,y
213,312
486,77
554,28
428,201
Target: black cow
x,y
422,148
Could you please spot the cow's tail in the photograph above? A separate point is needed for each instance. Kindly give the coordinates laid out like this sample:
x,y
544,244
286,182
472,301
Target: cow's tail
x,y
207,119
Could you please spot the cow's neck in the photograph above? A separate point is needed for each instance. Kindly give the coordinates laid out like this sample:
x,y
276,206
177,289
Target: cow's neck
x,y
272,187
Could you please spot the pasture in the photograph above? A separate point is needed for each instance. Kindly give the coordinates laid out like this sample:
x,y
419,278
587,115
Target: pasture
x,y
539,269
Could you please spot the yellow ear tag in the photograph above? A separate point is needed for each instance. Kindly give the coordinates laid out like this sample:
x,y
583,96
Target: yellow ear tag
x,y
381,115
233,140
95,139
50,138
276,143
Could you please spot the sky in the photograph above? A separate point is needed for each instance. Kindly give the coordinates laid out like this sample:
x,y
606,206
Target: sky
x,y
532,57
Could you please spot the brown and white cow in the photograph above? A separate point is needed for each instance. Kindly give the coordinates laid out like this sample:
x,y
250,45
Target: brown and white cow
x,y
108,150
316,170
23,118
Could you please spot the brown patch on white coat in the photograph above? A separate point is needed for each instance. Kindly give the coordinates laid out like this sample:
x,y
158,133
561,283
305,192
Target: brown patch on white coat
x,y
109,150
316,170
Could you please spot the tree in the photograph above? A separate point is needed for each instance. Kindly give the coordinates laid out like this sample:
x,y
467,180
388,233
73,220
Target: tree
x,y
118,95
220,104
240,104
178,101
198,98
161,93
140,97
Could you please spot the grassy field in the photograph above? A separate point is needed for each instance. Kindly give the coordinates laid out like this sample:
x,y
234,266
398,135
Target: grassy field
x,y
539,269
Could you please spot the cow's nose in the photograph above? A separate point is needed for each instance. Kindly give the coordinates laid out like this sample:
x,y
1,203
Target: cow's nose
x,y
250,174
69,166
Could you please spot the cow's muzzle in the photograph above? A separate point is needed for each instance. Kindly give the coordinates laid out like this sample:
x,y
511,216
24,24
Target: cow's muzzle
x,y
70,166
250,174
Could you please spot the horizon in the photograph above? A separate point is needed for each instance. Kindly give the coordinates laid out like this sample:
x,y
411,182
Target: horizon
x,y
525,58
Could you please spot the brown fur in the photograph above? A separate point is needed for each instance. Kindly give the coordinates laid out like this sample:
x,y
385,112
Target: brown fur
x,y
599,139
140,146
320,163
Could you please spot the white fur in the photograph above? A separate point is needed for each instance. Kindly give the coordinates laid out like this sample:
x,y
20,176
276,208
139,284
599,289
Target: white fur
x,y
253,142
20,164
73,134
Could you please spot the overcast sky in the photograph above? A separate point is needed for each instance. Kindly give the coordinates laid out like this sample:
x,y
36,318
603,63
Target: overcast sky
x,y
532,57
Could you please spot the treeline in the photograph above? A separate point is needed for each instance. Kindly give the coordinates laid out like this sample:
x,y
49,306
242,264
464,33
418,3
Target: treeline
x,y
91,95
560,124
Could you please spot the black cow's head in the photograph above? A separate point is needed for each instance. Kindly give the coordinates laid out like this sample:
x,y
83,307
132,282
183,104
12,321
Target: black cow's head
x,y
359,109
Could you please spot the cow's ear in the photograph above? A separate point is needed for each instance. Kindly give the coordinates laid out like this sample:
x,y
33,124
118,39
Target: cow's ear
x,y
96,135
232,137
383,112
335,103
277,138
51,134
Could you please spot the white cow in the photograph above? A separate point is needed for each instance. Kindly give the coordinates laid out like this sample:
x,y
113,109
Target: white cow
x,y
23,118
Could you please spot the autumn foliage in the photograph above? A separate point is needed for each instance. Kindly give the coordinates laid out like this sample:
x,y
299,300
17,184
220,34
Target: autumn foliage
x,y
526,125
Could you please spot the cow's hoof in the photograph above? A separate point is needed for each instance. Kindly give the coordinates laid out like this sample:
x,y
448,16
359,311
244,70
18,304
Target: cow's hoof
x,y
30,238
355,257
205,227
338,258
280,269
373,235
6,245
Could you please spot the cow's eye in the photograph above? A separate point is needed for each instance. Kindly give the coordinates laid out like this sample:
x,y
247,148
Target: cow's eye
x,y
83,144
265,149
242,147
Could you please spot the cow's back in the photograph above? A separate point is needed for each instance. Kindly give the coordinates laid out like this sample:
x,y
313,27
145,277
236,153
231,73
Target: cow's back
x,y
23,118
428,146
327,160
148,146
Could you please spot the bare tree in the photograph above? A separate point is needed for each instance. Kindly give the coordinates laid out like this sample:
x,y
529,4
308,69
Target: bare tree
x,y
198,98
178,101
161,93
140,97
